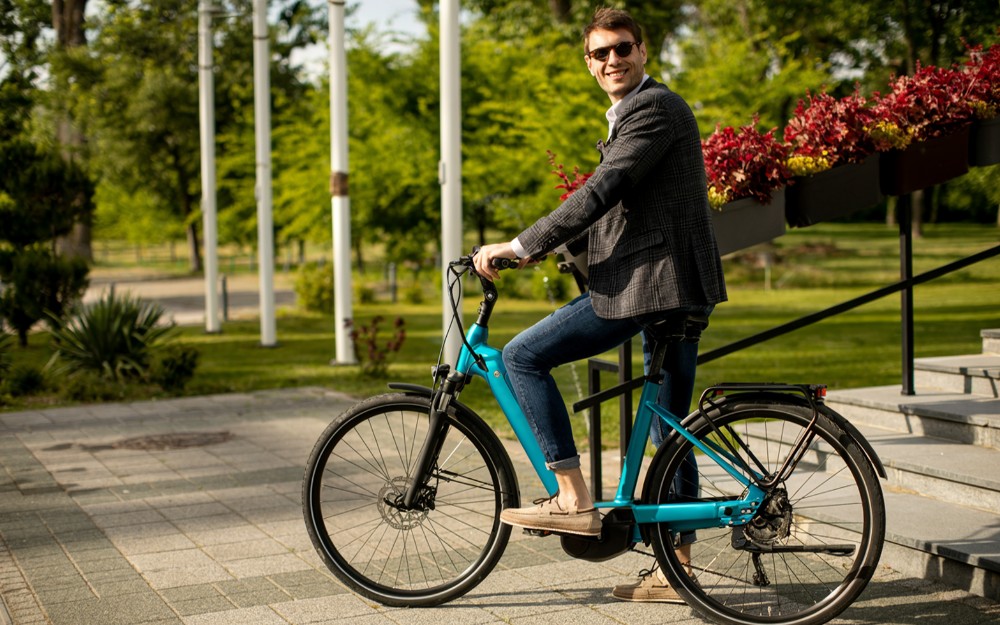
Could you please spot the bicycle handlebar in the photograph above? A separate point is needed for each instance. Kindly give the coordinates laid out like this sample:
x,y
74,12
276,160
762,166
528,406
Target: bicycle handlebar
x,y
498,263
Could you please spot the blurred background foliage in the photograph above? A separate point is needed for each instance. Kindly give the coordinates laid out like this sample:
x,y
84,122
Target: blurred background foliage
x,y
115,95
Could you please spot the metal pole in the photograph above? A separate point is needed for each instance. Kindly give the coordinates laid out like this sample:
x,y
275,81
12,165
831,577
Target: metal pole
x,y
340,202
262,126
206,110
904,215
450,166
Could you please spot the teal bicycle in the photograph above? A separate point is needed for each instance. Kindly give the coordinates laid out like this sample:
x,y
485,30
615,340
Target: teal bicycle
x,y
402,492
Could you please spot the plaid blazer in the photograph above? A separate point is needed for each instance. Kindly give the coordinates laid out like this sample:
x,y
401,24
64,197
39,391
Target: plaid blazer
x,y
645,213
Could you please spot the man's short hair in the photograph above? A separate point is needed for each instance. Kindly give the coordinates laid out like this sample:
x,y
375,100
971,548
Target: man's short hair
x,y
611,19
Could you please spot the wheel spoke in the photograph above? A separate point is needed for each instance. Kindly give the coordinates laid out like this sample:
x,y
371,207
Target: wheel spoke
x,y
418,556
831,499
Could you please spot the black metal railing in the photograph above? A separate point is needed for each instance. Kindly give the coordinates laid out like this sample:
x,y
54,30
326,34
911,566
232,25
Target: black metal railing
x,y
627,383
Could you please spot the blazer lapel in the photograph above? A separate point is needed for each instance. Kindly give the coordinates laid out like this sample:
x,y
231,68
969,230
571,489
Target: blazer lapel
x,y
648,84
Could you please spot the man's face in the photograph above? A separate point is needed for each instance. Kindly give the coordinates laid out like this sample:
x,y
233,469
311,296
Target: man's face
x,y
617,75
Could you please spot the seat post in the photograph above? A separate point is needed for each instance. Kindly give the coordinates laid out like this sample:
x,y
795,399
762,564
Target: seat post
x,y
681,326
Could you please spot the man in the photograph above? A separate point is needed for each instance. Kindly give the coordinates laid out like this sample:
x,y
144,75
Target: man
x,y
651,252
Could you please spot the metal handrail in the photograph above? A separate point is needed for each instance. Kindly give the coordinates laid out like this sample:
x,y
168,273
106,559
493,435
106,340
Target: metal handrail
x,y
816,317
801,322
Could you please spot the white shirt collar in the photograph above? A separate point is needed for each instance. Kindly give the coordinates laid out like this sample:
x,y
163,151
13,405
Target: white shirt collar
x,y
612,113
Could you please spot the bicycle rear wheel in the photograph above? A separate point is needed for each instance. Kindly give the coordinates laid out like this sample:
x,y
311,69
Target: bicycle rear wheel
x,y
813,546
436,551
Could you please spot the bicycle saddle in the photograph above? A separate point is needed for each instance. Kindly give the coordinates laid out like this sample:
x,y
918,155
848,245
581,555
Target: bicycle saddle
x,y
679,326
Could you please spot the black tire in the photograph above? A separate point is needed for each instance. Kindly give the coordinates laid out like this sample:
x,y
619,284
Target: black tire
x,y
425,557
833,498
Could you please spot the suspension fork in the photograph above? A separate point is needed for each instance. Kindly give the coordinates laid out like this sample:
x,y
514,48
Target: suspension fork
x,y
437,432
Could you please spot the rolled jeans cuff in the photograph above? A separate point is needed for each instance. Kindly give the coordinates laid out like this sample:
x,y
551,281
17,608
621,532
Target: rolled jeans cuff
x,y
565,464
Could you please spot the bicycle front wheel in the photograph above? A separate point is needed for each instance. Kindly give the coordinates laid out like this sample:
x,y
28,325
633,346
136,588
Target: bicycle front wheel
x,y
814,543
436,550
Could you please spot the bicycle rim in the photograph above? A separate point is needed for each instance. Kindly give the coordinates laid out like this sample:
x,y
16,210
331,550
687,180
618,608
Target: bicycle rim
x,y
818,536
424,556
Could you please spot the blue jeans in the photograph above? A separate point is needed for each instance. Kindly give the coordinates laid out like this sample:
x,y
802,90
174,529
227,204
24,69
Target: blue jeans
x,y
575,332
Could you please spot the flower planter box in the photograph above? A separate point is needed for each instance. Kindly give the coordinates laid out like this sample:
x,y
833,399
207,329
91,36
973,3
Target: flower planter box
x,y
746,222
833,193
925,164
984,142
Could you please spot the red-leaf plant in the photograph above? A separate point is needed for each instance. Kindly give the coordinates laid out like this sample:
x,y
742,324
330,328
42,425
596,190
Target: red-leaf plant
x,y
374,358
744,163
981,73
933,102
568,184
826,132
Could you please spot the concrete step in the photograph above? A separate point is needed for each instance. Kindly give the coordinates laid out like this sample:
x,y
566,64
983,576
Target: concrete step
x,y
991,341
955,473
956,417
935,540
977,374
950,472
925,538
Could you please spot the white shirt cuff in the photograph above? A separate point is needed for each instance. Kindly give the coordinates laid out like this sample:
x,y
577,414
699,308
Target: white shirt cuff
x,y
518,248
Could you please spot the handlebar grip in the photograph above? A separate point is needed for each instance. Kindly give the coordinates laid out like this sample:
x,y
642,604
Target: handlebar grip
x,y
505,263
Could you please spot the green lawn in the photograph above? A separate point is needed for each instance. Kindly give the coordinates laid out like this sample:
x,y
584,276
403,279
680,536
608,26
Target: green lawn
x,y
813,268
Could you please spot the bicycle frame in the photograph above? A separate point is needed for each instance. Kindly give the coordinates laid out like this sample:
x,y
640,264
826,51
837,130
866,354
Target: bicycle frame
x,y
680,516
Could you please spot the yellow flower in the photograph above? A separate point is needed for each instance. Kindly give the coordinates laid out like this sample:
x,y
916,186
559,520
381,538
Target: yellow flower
x,y
717,199
808,165
982,110
889,135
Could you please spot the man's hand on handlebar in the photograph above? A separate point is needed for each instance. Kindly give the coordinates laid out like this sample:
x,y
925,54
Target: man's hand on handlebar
x,y
489,257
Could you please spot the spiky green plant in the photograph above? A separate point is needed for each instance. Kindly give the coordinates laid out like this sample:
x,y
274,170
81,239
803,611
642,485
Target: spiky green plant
x,y
112,336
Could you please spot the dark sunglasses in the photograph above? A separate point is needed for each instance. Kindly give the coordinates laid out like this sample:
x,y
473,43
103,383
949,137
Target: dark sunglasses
x,y
622,50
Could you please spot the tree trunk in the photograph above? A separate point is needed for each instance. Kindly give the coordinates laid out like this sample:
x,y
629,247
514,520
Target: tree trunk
x,y
68,22
358,258
561,10
918,214
890,212
194,254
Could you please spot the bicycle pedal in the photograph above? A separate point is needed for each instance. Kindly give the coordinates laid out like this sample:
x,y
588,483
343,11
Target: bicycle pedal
x,y
538,533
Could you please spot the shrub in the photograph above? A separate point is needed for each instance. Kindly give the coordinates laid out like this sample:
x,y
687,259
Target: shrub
x,y
6,341
414,294
549,285
374,358
314,287
364,294
91,386
24,380
39,285
982,75
933,102
826,131
173,366
569,185
111,337
744,163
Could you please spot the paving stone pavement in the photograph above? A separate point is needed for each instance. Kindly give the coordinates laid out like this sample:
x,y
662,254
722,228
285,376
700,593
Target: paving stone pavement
x,y
100,527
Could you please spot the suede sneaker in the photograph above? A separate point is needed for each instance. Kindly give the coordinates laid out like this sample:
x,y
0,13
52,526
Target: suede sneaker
x,y
650,588
546,515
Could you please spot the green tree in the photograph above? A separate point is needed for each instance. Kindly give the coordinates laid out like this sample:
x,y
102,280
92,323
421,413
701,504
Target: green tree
x,y
41,198
22,24
134,91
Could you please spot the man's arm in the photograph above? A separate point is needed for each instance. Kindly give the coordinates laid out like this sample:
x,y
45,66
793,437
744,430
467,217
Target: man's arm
x,y
643,134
